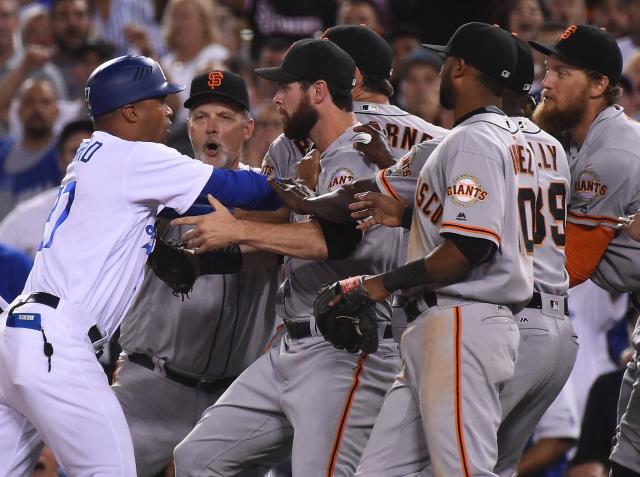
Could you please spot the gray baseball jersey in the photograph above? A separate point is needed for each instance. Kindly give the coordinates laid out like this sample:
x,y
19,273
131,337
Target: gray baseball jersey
x,y
304,394
604,186
463,349
469,186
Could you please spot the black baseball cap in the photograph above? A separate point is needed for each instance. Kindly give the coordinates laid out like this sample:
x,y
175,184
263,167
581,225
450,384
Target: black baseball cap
x,y
522,77
218,83
489,48
312,60
588,47
372,54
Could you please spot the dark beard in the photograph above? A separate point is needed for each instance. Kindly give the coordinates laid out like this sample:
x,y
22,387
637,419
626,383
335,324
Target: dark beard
x,y
558,123
447,94
298,126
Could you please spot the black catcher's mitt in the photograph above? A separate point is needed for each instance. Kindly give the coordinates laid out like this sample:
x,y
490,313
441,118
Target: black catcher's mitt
x,y
351,323
173,265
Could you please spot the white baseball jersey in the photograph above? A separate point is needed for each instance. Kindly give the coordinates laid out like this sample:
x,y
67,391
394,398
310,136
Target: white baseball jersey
x,y
471,186
404,130
106,208
605,184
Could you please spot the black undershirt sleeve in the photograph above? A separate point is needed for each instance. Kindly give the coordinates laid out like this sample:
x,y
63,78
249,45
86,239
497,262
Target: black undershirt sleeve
x,y
341,238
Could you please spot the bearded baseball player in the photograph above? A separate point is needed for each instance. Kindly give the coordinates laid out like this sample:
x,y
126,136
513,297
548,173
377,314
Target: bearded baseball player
x,y
579,95
303,394
444,409
188,352
88,268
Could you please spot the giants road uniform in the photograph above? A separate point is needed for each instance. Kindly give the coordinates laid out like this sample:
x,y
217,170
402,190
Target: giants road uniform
x,y
305,393
548,344
403,129
181,356
462,349
605,185
90,265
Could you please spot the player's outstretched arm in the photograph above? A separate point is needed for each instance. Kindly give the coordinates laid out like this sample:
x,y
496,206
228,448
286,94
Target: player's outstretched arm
x,y
374,208
377,149
242,188
630,225
332,206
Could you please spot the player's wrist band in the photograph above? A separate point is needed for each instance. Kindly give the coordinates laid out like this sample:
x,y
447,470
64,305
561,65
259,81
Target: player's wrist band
x,y
407,217
410,275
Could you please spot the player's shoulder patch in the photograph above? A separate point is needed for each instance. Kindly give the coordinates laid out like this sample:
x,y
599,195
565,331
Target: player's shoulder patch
x,y
267,165
588,186
340,177
466,190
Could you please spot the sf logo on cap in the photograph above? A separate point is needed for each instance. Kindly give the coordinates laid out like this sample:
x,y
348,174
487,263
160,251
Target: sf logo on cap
x,y
568,32
215,79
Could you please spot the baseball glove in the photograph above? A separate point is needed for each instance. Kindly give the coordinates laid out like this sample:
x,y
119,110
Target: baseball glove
x,y
173,265
350,323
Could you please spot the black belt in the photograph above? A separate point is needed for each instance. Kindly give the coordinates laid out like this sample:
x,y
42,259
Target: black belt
x,y
536,302
206,385
302,329
52,301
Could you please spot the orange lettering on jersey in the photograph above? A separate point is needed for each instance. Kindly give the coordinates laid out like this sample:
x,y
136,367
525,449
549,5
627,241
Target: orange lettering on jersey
x,y
392,134
548,154
426,137
408,138
466,190
522,158
215,79
428,203
588,186
267,170
340,177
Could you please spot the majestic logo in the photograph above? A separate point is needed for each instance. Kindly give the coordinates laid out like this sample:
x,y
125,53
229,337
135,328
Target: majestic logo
x,y
340,177
588,186
215,79
466,191
568,32
461,216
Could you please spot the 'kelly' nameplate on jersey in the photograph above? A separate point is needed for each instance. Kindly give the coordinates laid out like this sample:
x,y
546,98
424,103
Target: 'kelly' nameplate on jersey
x,y
24,320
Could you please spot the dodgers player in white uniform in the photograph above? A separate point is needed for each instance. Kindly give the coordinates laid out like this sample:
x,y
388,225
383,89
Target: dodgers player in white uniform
x,y
302,395
579,99
443,412
88,269
187,352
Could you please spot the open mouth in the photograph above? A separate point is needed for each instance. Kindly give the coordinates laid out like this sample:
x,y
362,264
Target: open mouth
x,y
212,147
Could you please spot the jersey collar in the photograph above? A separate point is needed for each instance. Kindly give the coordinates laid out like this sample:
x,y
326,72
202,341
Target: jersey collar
x,y
487,109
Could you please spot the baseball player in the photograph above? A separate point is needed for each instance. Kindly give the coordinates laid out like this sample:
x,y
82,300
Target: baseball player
x,y
303,394
204,342
88,268
444,409
579,97
374,58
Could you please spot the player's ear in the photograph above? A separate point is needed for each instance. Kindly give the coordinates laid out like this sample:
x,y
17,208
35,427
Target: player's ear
x,y
458,67
247,131
130,114
359,78
318,91
598,85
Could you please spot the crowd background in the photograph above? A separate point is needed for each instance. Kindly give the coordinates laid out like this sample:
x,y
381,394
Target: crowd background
x,y
49,48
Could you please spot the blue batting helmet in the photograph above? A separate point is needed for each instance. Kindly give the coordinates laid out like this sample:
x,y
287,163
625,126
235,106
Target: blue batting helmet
x,y
125,80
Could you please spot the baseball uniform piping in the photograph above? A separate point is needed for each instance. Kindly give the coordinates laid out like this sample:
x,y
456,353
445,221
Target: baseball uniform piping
x,y
601,218
335,450
387,186
469,228
457,391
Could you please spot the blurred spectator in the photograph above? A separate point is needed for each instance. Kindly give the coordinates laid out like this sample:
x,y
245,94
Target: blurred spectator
x,y
632,72
290,20
631,43
549,33
556,433
568,12
360,12
46,465
71,29
629,99
271,54
8,27
268,126
404,40
419,87
28,165
22,227
612,15
190,29
14,270
112,18
524,17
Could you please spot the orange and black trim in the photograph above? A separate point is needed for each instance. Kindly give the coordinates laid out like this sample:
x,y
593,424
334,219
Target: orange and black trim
x,y
457,390
337,440
385,182
472,229
596,218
